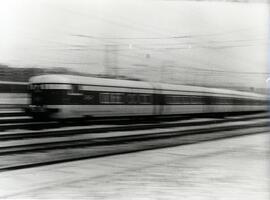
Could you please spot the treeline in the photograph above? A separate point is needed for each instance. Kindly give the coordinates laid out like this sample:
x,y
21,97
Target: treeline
x,y
8,73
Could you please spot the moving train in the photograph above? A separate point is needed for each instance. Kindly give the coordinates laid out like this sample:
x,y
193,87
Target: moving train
x,y
69,96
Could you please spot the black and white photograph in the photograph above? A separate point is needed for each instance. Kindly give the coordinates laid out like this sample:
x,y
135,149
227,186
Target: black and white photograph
x,y
134,99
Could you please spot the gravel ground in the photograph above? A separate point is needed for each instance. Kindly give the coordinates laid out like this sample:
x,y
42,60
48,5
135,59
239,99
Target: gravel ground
x,y
236,168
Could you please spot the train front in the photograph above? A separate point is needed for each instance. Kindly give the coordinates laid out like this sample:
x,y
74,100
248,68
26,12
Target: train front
x,y
47,95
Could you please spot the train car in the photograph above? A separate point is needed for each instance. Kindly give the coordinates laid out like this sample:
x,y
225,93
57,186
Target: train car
x,y
68,96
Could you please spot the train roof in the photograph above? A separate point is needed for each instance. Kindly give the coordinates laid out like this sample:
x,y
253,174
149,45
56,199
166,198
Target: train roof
x,y
208,90
74,79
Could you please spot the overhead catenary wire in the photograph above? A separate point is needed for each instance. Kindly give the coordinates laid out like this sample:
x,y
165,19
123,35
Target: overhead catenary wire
x,y
124,41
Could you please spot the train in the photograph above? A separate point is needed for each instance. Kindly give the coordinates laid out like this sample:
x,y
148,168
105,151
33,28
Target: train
x,y
58,96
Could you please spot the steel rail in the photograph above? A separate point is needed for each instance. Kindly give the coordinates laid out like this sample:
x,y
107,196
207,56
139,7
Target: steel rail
x,y
123,147
118,138
69,131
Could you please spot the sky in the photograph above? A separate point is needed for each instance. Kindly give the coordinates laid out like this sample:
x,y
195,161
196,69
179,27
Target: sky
x,y
200,42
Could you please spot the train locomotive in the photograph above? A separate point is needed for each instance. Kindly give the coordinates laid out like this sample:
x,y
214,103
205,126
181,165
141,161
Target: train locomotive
x,y
71,96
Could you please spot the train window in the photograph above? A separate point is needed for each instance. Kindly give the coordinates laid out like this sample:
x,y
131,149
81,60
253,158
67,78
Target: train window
x,y
114,98
173,99
262,102
244,101
75,91
104,98
34,87
117,98
237,101
176,99
12,88
167,99
208,100
223,101
228,100
42,86
195,100
145,99
219,100
56,86
132,98
212,100
253,102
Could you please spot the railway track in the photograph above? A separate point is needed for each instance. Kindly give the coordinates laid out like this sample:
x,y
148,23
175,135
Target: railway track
x,y
26,122
55,129
22,149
